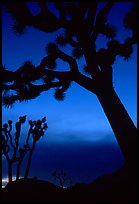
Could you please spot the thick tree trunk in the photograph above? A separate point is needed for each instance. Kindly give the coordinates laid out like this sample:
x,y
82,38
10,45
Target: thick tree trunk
x,y
10,171
122,125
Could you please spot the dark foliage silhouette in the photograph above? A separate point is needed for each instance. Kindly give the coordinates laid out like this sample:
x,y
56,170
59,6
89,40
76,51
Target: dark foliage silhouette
x,y
61,177
11,144
82,29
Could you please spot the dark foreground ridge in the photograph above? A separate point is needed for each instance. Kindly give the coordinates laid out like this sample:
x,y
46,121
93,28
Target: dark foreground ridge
x,y
119,187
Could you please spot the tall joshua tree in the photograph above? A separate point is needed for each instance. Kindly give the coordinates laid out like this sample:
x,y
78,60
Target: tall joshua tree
x,y
82,24
10,146
37,129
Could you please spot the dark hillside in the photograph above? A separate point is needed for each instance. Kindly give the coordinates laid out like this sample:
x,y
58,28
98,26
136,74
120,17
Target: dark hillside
x,y
119,187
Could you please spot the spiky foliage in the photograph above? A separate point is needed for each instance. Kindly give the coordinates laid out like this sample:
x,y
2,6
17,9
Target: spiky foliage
x,y
28,65
59,95
81,30
113,45
128,41
8,100
18,10
126,51
51,62
51,48
61,40
19,29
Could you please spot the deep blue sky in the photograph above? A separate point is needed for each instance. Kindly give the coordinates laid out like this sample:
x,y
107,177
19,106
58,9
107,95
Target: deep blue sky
x,y
79,138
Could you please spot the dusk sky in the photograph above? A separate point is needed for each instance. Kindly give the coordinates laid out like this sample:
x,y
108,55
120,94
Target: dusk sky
x,y
79,138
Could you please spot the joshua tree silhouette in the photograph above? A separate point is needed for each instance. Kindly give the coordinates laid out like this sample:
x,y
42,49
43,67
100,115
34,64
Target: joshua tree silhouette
x,y
82,24
37,129
10,145
61,177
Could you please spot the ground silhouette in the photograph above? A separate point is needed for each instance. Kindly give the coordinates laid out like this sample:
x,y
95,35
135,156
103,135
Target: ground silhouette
x,y
118,187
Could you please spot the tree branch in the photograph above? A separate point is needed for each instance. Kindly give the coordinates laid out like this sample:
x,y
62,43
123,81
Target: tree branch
x,y
45,20
101,20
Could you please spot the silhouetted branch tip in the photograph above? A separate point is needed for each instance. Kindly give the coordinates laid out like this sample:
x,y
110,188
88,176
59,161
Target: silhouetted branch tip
x,y
8,100
51,62
61,40
51,48
19,29
59,95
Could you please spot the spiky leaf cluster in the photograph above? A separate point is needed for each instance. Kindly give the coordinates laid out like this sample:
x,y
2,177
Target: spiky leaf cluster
x,y
51,48
51,62
61,40
26,72
81,30
59,95
126,51
8,100
19,28
38,128
113,45
28,65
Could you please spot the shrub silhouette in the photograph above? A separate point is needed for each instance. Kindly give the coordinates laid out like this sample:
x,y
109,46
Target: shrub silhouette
x,y
61,177
11,145
83,24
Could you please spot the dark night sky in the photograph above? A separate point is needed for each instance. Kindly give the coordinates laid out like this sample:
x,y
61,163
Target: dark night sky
x,y
79,138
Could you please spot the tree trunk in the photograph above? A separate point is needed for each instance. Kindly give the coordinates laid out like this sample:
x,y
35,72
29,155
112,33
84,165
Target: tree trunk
x,y
10,171
29,160
18,170
122,125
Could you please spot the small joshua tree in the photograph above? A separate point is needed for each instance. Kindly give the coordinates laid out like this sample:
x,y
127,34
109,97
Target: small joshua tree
x,y
10,145
61,177
37,129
